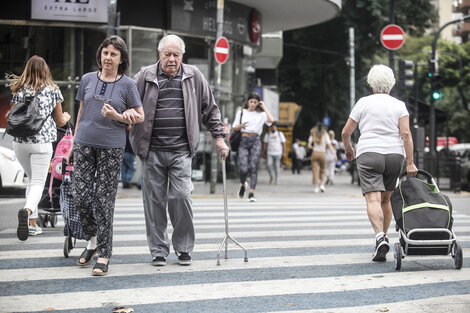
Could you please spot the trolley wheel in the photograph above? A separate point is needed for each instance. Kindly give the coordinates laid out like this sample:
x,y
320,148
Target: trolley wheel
x,y
53,220
41,220
457,254
46,220
397,254
68,246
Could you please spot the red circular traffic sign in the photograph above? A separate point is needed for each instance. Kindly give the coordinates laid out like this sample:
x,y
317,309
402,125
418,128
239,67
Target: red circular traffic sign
x,y
221,50
392,37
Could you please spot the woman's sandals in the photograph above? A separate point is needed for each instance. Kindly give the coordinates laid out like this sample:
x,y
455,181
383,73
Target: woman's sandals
x,y
100,266
87,255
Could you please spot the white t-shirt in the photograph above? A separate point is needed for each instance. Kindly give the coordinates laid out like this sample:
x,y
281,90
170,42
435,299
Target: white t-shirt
x,y
274,141
330,156
378,117
254,121
299,151
325,140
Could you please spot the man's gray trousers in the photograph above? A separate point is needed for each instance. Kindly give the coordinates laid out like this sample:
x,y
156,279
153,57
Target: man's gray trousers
x,y
166,179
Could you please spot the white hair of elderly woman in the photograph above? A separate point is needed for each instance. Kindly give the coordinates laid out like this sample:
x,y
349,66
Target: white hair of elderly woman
x,y
174,39
381,78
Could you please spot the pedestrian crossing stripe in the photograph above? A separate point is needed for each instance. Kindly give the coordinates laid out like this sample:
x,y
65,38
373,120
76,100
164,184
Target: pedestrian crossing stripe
x,y
280,237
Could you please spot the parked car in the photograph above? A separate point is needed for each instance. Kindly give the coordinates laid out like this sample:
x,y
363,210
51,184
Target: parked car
x,y
12,174
463,150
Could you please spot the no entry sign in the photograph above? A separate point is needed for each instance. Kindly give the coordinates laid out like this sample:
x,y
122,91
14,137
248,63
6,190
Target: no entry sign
x,y
221,50
392,37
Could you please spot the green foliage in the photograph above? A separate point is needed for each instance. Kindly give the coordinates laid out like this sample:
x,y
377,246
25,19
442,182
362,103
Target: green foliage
x,y
454,69
314,71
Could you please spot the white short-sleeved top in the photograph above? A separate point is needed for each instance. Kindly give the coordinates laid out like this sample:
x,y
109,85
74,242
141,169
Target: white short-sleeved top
x,y
254,121
274,141
378,117
325,141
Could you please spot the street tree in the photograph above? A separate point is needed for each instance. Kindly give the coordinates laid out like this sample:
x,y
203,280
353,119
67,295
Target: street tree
x,y
314,71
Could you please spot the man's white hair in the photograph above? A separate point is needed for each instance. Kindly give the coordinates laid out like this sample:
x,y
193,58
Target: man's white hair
x,y
171,38
381,78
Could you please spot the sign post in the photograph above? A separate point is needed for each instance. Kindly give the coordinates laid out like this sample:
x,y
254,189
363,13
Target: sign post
x,y
392,37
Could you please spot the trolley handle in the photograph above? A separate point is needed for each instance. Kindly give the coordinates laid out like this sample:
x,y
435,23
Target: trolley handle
x,y
427,175
422,172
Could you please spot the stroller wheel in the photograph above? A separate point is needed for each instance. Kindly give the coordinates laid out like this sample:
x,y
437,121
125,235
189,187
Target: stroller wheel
x,y
397,254
53,220
41,220
457,254
68,246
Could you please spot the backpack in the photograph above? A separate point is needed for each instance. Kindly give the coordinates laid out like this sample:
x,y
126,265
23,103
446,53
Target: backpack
x,y
61,152
24,119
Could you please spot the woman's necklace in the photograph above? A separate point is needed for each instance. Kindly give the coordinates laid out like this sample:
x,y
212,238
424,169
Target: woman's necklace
x,y
101,97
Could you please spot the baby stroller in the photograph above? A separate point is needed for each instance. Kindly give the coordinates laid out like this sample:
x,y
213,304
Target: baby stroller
x,y
72,227
49,206
423,217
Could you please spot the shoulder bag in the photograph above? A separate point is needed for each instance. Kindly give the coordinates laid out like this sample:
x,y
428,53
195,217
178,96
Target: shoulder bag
x,y
235,136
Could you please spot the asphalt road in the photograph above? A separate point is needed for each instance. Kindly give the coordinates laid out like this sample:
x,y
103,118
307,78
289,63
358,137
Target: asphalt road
x,y
306,252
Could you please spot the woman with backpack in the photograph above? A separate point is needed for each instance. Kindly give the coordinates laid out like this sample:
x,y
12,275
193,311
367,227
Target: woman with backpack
x,y
109,101
34,152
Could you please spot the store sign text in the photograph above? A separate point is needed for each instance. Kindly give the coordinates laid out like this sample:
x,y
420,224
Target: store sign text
x,y
94,11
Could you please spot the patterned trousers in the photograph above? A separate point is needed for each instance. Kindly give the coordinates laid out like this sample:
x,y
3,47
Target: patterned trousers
x,y
95,183
249,153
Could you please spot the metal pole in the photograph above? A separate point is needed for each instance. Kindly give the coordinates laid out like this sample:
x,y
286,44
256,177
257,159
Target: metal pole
x,y
217,78
352,69
416,108
391,53
112,19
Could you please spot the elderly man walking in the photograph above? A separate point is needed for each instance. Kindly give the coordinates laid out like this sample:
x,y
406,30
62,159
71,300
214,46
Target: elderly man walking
x,y
176,98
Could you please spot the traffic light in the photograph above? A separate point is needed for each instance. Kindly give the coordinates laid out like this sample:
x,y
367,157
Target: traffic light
x,y
405,75
435,86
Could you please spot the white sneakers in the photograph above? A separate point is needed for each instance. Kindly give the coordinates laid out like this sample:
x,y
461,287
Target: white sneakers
x,y
33,231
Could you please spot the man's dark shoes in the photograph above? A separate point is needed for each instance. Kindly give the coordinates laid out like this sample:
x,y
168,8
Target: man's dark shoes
x,y
87,255
184,258
159,261
23,228
251,197
126,185
381,249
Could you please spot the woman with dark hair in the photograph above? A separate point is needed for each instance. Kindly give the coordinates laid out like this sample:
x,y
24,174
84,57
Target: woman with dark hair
x,y
250,121
109,102
34,153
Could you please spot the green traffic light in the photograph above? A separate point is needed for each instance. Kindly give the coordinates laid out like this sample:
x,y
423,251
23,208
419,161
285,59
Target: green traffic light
x,y
436,95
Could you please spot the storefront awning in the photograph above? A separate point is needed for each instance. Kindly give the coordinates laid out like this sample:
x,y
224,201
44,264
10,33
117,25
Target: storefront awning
x,y
282,15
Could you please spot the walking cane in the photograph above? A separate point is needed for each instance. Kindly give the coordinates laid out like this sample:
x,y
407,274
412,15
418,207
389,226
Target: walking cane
x,y
227,236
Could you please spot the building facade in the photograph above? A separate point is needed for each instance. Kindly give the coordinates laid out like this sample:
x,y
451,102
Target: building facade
x,y
67,34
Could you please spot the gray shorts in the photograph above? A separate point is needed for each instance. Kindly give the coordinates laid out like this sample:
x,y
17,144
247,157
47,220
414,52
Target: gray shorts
x,y
379,172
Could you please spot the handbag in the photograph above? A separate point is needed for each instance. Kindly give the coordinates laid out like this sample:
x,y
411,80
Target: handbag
x,y
24,119
235,137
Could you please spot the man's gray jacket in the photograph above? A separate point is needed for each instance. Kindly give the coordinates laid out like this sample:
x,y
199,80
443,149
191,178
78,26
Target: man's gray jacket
x,y
199,107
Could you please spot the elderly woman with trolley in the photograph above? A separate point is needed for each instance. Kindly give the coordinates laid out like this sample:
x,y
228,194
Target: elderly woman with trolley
x,y
384,143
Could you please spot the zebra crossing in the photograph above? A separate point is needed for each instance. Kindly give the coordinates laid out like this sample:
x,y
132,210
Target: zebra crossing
x,y
304,255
